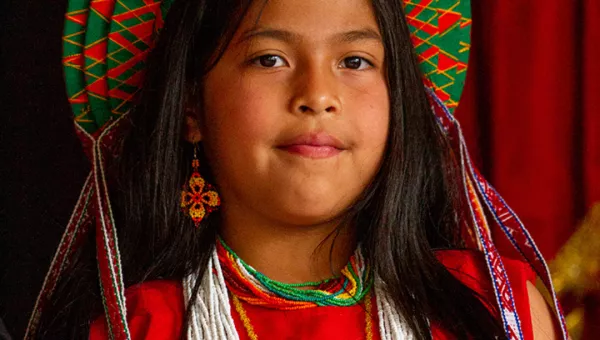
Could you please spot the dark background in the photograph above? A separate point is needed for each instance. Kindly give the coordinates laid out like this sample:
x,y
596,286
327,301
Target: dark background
x,y
42,166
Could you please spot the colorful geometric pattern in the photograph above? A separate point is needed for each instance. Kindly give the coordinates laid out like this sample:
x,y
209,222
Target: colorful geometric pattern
x,y
441,36
133,30
96,40
73,62
105,45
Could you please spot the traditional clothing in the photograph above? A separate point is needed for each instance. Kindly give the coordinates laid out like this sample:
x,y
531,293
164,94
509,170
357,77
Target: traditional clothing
x,y
156,309
105,45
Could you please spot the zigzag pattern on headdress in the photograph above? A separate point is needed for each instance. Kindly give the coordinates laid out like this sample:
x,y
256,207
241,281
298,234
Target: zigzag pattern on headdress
x,y
441,37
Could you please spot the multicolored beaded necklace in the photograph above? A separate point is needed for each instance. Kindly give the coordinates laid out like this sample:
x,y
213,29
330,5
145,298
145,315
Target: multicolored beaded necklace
x,y
249,285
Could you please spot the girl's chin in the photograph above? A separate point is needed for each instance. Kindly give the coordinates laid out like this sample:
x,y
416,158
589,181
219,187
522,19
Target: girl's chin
x,y
312,217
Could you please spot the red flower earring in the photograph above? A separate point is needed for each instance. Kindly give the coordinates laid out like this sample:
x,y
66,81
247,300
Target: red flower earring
x,y
198,198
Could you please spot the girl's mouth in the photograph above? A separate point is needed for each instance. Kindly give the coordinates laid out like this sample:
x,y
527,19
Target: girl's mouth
x,y
312,151
313,145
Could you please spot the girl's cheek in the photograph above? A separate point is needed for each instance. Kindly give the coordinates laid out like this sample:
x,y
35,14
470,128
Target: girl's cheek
x,y
371,111
251,113
371,116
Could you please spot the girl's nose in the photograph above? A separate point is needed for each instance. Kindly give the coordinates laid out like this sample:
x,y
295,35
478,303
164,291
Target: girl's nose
x,y
316,92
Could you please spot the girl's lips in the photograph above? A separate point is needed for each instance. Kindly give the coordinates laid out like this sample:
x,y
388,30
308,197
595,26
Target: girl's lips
x,y
313,145
312,151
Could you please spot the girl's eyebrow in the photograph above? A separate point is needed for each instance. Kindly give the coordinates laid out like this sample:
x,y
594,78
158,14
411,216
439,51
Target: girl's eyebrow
x,y
291,37
356,35
276,34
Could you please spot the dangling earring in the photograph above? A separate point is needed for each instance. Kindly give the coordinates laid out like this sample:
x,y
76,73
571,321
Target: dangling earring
x,y
198,198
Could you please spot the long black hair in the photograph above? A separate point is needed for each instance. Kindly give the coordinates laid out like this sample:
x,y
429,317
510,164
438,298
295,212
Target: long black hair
x,y
411,208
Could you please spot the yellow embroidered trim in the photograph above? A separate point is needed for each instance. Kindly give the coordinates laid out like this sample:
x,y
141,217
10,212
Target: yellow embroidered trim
x,y
252,335
244,317
368,318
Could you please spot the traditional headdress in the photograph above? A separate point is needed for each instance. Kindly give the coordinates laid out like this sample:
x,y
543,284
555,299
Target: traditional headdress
x,y
105,45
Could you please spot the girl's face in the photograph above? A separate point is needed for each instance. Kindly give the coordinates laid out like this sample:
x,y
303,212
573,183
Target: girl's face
x,y
296,113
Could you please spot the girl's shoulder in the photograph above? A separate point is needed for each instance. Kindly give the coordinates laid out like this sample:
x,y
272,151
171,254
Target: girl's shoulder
x,y
470,267
147,303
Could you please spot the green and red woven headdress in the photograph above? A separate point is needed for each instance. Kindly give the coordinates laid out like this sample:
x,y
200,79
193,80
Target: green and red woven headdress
x,y
105,46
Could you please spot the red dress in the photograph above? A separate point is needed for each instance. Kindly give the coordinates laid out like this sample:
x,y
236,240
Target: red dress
x,y
156,308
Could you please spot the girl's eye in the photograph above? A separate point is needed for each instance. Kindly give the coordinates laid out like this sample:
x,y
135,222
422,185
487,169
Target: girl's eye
x,y
269,60
356,63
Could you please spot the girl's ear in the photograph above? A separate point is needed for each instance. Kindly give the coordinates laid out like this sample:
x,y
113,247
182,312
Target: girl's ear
x,y
192,132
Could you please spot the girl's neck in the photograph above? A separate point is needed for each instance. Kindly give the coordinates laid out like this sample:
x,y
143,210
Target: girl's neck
x,y
287,253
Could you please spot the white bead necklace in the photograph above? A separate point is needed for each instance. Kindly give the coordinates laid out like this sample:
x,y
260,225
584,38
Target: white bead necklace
x,y
211,317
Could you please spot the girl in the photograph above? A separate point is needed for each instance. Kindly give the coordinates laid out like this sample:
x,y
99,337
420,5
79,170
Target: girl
x,y
323,200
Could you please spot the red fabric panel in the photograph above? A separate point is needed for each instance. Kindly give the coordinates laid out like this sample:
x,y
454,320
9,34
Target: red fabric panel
x,y
335,323
154,312
591,128
530,110
591,102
